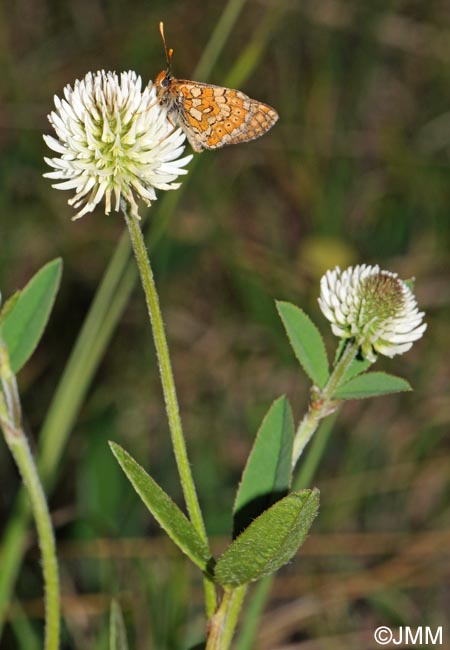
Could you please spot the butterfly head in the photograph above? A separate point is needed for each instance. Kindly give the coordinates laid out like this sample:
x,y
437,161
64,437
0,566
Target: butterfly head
x,y
163,83
164,80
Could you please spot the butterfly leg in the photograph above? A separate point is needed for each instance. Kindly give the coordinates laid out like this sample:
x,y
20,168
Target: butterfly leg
x,y
148,108
174,127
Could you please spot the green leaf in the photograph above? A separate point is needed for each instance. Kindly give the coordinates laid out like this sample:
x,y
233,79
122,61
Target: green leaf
x,y
306,342
117,631
270,541
371,384
267,474
25,322
164,510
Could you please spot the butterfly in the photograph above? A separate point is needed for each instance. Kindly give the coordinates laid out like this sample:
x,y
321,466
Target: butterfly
x,y
211,116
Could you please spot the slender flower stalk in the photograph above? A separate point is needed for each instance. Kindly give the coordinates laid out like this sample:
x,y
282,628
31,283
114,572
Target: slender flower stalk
x,y
11,423
322,403
169,390
165,368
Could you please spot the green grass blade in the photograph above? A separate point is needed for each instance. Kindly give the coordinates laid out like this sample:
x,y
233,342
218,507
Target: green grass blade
x,y
27,637
117,631
218,38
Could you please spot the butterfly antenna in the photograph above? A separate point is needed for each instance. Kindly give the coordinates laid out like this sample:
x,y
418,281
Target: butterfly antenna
x,y
169,53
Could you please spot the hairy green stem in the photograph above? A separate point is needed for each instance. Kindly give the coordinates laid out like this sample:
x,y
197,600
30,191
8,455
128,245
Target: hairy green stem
x,y
323,404
169,390
165,369
11,423
223,623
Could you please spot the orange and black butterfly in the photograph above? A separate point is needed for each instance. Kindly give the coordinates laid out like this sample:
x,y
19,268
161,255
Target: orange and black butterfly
x,y
211,116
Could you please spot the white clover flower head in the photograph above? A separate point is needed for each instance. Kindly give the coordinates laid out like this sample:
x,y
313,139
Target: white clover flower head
x,y
373,307
114,142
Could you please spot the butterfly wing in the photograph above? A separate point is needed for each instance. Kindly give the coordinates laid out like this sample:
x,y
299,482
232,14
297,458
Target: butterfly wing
x,y
213,116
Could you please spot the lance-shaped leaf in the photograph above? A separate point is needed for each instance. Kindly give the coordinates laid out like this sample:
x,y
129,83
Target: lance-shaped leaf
x,y
267,474
117,631
270,541
164,510
25,321
306,341
372,384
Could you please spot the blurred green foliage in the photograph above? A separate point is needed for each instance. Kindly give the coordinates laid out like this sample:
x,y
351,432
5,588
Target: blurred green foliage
x,y
357,170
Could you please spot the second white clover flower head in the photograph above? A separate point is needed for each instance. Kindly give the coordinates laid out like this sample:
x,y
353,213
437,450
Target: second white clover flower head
x,y
373,307
114,143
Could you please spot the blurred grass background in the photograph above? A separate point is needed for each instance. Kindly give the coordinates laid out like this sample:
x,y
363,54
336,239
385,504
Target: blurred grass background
x,y
357,170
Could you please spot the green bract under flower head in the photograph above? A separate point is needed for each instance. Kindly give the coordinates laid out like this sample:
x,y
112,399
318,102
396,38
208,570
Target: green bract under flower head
x,y
374,307
115,142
